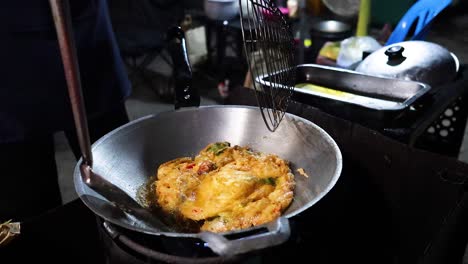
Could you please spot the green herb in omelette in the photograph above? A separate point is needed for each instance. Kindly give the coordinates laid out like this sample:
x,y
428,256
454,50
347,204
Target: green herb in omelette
x,y
269,180
219,147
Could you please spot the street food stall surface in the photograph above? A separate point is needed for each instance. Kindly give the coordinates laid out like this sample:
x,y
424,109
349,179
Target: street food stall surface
x,y
393,204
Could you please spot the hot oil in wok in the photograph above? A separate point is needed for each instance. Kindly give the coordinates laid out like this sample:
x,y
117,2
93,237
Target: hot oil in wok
x,y
146,196
223,188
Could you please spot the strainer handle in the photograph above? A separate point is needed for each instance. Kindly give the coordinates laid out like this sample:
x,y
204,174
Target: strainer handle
x,y
61,14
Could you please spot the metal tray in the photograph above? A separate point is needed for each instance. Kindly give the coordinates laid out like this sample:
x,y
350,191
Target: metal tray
x,y
378,93
351,94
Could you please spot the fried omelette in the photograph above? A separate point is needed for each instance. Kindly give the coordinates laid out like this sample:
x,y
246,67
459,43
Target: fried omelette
x,y
225,188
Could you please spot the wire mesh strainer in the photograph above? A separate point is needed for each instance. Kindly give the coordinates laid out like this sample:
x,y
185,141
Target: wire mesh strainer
x,y
269,48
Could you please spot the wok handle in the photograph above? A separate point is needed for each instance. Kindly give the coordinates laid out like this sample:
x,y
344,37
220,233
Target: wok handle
x,y
185,94
61,14
277,233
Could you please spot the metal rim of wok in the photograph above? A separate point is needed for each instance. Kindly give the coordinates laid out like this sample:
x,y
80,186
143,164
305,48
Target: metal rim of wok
x,y
82,189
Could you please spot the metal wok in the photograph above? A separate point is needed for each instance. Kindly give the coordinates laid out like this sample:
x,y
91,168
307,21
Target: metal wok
x,y
110,173
129,155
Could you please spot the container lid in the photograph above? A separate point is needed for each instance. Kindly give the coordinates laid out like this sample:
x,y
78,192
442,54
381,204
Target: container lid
x,y
420,61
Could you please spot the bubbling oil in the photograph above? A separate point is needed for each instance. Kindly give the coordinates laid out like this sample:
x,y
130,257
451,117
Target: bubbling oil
x,y
146,197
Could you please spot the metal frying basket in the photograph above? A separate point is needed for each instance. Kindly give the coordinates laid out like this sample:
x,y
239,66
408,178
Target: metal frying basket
x,y
269,48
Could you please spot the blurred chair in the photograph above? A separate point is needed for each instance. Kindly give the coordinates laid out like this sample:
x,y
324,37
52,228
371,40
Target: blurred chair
x,y
140,28
423,12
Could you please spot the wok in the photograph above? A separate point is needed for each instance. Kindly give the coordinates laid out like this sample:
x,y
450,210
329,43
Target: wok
x,y
128,156
111,172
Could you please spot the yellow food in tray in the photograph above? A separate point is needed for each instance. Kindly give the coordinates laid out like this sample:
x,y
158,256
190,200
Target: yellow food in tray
x,y
323,90
226,188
